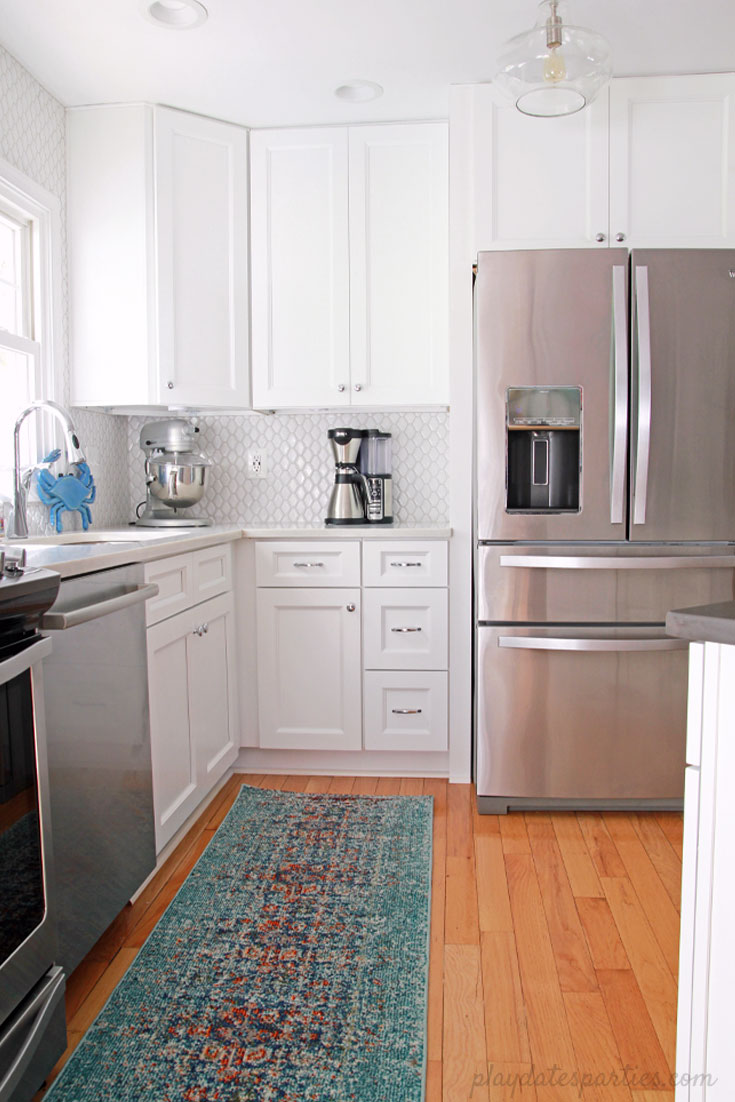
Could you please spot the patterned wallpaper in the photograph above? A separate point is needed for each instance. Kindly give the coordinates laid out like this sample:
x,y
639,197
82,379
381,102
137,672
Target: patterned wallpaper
x,y
299,466
33,139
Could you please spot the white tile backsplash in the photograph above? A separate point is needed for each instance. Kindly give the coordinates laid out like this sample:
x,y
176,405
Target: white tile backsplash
x,y
299,468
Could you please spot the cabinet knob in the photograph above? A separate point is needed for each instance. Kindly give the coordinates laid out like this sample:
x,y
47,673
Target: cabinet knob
x,y
599,237
358,386
170,385
340,387
351,608
620,237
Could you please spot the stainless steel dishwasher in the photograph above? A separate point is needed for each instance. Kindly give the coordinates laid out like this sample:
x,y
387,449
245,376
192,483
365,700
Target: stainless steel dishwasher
x,y
99,754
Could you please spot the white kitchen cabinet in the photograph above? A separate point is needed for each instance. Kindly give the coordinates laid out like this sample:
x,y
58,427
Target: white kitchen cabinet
x,y
350,266
309,563
193,707
707,960
300,267
157,226
672,161
309,669
405,711
539,183
405,629
651,163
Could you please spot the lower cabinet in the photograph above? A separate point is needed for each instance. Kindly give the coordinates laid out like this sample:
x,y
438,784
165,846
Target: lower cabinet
x,y
406,709
309,669
193,704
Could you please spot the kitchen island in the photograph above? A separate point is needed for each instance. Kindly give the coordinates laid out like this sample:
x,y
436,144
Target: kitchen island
x,y
707,957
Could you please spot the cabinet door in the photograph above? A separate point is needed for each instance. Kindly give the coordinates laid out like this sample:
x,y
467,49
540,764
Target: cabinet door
x,y
399,294
202,243
672,161
175,785
309,675
212,690
300,267
539,183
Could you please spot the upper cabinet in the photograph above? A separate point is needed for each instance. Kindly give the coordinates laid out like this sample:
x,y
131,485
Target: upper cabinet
x,y
350,266
650,163
158,256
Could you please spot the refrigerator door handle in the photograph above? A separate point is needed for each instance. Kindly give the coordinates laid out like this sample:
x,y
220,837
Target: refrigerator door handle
x,y
628,562
643,434
620,395
532,642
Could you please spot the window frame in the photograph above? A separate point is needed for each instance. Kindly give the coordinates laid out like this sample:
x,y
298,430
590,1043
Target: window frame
x,y
30,202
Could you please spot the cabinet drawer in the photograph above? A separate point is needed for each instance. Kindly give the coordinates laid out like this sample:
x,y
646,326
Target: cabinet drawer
x,y
173,578
321,563
405,710
402,563
405,629
211,572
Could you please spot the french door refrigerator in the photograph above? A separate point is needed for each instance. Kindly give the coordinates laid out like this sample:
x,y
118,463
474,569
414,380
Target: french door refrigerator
x,y
605,496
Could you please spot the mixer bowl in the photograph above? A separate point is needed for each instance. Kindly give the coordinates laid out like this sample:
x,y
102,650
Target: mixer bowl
x,y
176,481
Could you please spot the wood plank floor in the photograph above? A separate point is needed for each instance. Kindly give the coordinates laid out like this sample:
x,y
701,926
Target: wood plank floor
x,y
553,946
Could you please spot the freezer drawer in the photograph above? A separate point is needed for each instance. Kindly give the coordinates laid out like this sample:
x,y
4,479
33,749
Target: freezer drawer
x,y
602,584
580,714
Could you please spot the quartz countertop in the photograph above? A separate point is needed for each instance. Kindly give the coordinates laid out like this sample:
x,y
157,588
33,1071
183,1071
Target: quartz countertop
x,y
703,623
83,553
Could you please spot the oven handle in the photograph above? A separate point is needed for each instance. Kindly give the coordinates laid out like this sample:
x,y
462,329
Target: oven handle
x,y
19,663
532,642
628,562
42,1006
60,621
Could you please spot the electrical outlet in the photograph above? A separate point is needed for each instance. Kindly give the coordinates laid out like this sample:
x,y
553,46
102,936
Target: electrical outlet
x,y
256,464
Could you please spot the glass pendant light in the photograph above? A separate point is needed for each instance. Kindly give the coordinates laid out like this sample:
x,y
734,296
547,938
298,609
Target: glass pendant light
x,y
555,68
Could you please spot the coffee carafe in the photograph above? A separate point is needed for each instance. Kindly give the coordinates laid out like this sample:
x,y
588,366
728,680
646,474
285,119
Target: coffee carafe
x,y
347,499
375,466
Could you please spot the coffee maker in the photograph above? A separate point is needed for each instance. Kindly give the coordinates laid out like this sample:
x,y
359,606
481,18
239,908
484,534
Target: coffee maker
x,y
375,466
347,499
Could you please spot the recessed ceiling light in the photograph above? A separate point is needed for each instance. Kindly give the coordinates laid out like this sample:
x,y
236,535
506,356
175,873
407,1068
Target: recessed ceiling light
x,y
359,91
176,15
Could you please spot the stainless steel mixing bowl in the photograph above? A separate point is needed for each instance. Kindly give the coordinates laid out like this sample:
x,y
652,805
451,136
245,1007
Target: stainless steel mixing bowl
x,y
176,479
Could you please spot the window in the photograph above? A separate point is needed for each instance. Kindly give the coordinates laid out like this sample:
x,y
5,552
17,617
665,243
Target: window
x,y
28,310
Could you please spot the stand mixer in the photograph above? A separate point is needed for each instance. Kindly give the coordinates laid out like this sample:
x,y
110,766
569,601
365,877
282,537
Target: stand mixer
x,y
174,474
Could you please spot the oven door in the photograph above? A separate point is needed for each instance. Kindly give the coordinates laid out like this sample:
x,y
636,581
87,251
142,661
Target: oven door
x,y
27,931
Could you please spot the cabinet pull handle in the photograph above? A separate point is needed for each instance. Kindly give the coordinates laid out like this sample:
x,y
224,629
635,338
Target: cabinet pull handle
x,y
358,387
406,711
351,608
340,387
170,385
406,564
308,564
599,237
401,630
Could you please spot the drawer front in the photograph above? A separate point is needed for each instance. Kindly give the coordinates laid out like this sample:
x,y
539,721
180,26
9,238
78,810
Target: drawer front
x,y
405,629
211,572
320,563
402,563
405,711
174,580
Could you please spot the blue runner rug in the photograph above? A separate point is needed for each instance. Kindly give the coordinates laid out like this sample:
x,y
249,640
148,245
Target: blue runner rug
x,y
291,966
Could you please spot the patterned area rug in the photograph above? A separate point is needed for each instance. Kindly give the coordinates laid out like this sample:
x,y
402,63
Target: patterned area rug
x,y
291,967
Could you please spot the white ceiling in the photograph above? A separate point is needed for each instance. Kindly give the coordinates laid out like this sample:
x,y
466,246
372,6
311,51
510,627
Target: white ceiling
x,y
277,62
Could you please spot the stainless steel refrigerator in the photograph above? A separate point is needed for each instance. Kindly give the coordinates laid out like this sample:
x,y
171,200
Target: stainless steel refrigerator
x,y
605,496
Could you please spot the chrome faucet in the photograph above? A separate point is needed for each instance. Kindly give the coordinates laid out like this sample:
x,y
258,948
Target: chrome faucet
x,y
18,525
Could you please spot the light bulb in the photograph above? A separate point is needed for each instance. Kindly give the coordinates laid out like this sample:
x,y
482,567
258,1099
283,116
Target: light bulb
x,y
555,69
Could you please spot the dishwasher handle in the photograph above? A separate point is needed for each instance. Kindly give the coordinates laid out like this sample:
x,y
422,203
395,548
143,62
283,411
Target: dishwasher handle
x,y
73,617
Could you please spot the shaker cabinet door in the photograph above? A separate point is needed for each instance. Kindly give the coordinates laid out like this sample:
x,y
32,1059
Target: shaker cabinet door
x,y
399,264
539,183
672,161
300,267
309,670
201,179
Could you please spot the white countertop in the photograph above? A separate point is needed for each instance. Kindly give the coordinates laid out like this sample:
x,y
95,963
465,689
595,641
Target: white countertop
x,y
101,549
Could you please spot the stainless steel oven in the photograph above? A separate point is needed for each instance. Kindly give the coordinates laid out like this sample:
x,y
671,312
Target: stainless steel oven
x,y
32,1024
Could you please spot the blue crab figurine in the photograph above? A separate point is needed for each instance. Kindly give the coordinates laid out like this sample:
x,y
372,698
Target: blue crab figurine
x,y
67,493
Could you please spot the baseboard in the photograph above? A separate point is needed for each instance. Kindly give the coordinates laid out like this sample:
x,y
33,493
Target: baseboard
x,y
345,764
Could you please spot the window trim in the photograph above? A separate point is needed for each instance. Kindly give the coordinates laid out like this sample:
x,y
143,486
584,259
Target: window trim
x,y
33,202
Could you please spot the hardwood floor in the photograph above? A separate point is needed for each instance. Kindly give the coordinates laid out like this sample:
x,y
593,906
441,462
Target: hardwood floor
x,y
553,946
